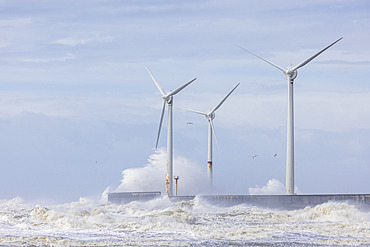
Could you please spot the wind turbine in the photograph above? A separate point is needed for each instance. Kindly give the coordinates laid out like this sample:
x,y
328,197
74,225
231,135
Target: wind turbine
x,y
210,115
290,74
168,99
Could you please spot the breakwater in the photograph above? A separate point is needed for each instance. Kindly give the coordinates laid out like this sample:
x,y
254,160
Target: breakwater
x,y
267,201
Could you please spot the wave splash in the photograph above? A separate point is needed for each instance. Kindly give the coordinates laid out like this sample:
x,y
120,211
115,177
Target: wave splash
x,y
152,176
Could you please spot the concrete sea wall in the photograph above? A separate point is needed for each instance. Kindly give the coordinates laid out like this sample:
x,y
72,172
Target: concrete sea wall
x,y
267,201
127,197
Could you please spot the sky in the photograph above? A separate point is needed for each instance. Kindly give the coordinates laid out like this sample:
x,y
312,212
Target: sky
x,y
77,106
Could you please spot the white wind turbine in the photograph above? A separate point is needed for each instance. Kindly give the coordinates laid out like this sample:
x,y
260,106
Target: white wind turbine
x,y
168,98
210,115
290,74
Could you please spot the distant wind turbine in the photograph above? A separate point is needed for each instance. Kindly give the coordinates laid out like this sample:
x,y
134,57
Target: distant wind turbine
x,y
290,74
168,98
210,116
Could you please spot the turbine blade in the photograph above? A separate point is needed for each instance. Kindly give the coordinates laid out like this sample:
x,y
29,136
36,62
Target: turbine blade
x,y
198,112
214,132
160,123
310,59
276,66
222,101
180,88
155,81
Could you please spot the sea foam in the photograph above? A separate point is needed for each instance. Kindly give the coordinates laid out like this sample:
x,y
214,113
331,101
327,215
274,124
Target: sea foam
x,y
195,222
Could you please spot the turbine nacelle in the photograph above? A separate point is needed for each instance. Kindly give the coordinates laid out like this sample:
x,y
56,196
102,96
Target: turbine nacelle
x,y
211,116
167,98
289,71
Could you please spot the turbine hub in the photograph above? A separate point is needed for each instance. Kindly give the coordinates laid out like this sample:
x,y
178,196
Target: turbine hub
x,y
211,116
168,99
291,73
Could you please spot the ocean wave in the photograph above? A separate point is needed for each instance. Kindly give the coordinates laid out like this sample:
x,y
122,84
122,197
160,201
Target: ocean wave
x,y
162,222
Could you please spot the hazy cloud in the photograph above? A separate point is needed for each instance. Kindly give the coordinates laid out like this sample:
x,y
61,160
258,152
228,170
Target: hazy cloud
x,y
17,22
75,42
68,56
71,41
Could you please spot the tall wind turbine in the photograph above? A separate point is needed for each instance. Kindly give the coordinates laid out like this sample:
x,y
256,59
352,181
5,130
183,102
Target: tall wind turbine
x,y
290,74
210,116
168,98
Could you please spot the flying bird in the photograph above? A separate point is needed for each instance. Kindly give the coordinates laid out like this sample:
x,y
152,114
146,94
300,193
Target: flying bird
x,y
255,156
275,155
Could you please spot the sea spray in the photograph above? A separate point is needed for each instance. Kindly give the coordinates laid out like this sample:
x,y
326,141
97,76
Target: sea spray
x,y
151,177
273,187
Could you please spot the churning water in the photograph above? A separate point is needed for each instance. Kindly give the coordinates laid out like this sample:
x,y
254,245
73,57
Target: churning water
x,y
161,222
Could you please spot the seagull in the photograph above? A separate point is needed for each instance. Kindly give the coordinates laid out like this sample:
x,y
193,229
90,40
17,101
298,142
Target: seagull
x,y
189,123
255,156
275,155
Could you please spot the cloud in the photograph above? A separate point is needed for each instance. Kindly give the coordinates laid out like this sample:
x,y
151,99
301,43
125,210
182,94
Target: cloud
x,y
75,41
106,39
328,111
4,44
71,41
128,109
18,22
68,56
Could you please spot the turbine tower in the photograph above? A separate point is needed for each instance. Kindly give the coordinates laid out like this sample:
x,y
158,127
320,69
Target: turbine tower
x,y
210,116
290,74
168,98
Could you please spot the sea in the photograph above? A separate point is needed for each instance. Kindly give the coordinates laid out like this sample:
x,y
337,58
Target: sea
x,y
161,222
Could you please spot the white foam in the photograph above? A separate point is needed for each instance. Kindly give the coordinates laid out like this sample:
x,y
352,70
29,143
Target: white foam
x,y
162,222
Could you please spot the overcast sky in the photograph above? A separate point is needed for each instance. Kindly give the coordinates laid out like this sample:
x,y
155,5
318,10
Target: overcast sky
x,y
77,106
